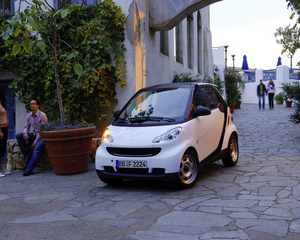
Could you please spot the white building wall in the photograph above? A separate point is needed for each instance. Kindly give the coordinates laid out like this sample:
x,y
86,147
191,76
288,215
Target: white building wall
x,y
219,60
250,93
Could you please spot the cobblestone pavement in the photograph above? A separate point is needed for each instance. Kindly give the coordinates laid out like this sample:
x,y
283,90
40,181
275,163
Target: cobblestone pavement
x,y
257,199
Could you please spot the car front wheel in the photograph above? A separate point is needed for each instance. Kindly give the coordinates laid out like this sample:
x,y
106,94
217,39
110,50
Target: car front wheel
x,y
188,173
232,156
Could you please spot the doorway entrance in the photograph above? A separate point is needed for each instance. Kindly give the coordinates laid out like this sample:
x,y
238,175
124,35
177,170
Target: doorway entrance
x,y
10,107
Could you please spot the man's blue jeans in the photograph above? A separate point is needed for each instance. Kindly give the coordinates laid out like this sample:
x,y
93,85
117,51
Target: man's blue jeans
x,y
261,96
32,155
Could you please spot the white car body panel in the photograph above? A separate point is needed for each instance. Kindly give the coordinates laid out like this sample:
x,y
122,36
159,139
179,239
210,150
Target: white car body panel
x,y
209,132
168,158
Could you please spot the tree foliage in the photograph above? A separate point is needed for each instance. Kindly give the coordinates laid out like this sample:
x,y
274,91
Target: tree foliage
x,y
294,5
289,38
233,81
90,61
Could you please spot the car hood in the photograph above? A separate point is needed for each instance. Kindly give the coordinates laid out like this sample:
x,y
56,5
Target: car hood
x,y
136,136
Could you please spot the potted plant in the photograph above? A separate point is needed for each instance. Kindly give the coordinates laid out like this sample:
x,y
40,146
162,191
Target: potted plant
x,y
288,91
232,82
68,146
296,92
279,98
238,102
295,117
57,57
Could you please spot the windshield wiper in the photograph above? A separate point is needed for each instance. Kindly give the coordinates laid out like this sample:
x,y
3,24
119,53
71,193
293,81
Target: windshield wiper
x,y
122,120
155,119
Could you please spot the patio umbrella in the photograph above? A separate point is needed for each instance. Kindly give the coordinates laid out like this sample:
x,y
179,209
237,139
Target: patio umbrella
x,y
279,61
245,64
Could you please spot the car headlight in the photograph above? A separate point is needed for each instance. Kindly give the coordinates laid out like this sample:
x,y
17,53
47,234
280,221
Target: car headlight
x,y
168,136
106,137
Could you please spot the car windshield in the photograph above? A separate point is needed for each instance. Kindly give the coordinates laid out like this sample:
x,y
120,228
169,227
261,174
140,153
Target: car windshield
x,y
157,105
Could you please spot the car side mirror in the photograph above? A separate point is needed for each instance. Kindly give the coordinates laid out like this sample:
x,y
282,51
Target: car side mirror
x,y
116,114
201,111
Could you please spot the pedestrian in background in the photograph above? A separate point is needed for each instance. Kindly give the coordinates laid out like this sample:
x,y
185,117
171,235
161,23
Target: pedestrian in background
x,y
31,144
271,92
261,91
3,129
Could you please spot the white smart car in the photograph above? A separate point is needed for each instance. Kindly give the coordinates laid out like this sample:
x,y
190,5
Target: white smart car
x,y
168,132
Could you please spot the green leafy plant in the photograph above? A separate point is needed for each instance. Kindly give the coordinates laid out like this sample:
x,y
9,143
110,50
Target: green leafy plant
x,y
233,81
296,90
292,92
73,55
295,117
188,77
279,97
288,91
57,125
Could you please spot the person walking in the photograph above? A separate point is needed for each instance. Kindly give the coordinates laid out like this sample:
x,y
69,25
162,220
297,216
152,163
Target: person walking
x,y
261,91
31,144
271,92
3,129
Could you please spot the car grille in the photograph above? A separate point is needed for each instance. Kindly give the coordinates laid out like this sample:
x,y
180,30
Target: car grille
x,y
133,152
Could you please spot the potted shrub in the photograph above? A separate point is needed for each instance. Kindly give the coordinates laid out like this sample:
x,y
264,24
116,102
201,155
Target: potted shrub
x,y
296,92
232,81
238,102
279,98
288,91
295,117
68,146
57,57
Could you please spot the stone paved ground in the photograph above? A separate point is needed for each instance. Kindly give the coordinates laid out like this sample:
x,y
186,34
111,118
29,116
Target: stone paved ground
x,y
267,133
257,199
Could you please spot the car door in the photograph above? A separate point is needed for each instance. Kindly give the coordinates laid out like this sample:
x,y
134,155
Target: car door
x,y
209,128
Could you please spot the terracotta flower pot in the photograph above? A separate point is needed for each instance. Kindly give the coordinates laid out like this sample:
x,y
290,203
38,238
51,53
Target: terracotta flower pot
x,y
238,105
69,150
231,106
288,103
278,102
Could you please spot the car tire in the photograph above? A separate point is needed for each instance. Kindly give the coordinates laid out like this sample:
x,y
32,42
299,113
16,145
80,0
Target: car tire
x,y
188,173
232,155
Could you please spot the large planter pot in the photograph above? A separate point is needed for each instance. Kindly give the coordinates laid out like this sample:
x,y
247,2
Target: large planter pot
x,y
288,103
238,105
231,106
69,150
278,102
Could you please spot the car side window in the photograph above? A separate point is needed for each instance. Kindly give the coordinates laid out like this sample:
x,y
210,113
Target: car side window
x,y
216,96
204,98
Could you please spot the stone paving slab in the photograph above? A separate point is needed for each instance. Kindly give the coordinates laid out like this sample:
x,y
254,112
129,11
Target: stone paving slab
x,y
257,199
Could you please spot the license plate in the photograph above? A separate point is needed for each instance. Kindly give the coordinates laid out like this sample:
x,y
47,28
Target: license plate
x,y
131,164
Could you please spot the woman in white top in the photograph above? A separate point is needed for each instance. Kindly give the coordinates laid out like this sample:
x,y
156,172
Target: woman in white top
x,y
271,92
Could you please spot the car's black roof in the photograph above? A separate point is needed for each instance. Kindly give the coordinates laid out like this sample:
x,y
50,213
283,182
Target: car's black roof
x,y
178,85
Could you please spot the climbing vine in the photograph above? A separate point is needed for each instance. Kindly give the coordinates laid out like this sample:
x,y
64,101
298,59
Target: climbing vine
x,y
89,45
